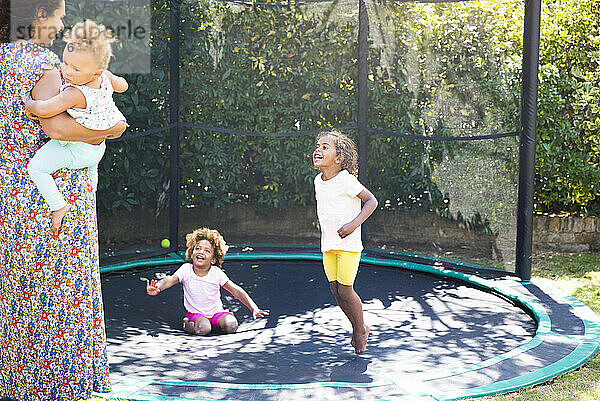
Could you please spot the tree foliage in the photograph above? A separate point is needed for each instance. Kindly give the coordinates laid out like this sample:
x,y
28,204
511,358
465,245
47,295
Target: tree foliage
x,y
567,161
434,70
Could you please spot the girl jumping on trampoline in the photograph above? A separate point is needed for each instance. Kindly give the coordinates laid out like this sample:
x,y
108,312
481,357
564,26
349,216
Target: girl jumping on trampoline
x,y
202,280
339,195
87,97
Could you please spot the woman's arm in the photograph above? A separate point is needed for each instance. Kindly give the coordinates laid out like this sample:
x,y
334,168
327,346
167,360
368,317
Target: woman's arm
x,y
244,298
62,126
370,205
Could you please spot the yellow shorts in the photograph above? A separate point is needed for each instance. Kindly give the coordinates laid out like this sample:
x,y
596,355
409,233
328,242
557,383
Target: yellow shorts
x,y
341,266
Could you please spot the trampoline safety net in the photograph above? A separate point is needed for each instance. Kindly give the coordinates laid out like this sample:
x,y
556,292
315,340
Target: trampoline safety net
x,y
226,98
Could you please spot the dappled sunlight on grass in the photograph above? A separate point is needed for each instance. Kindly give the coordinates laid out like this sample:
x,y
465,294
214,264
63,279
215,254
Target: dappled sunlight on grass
x,y
575,274
565,266
589,295
579,385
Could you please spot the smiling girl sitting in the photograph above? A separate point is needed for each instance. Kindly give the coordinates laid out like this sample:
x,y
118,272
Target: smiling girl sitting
x,y
202,280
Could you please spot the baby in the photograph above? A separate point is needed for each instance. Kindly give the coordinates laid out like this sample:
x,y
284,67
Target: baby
x,y
87,97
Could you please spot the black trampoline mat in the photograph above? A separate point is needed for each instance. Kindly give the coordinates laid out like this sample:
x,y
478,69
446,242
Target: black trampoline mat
x,y
420,324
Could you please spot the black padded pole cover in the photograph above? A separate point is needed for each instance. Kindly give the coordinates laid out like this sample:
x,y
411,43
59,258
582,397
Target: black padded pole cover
x,y
531,45
363,78
174,131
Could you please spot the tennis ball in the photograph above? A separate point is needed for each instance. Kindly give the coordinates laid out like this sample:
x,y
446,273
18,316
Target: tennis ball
x,y
165,243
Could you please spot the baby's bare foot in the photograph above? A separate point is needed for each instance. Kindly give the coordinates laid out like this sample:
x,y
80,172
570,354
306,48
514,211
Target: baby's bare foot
x,y
360,342
57,217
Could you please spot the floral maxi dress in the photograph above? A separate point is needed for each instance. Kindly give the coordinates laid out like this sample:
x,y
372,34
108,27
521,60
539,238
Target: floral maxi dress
x,y
52,336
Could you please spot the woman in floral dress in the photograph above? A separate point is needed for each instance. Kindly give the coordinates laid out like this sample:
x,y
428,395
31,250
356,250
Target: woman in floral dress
x,y
52,337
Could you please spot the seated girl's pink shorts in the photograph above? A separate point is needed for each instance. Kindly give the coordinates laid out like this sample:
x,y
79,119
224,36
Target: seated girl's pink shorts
x,y
213,320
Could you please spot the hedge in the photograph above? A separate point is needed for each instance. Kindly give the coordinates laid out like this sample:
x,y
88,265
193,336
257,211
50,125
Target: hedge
x,y
435,70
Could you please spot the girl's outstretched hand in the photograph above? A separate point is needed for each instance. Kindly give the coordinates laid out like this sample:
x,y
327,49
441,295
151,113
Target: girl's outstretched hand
x,y
259,313
152,287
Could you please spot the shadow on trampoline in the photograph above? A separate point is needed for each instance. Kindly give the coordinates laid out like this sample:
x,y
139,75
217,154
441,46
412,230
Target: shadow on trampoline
x,y
426,332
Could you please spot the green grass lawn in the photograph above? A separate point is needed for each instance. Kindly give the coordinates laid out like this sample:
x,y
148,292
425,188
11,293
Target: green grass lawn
x,y
577,275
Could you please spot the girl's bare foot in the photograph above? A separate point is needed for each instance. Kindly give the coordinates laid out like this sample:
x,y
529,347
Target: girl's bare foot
x,y
57,217
188,326
360,340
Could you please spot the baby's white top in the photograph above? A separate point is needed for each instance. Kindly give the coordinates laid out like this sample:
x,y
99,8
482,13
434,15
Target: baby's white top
x,y
338,204
101,112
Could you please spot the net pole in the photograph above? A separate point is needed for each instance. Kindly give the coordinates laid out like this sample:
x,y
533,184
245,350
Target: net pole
x,y
362,79
174,131
531,50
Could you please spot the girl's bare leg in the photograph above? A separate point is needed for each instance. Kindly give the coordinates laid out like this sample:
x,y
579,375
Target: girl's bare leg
x,y
333,285
227,323
200,327
360,332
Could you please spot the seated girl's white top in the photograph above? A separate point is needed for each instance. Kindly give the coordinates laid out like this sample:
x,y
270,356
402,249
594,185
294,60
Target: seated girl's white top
x,y
338,204
202,294
101,112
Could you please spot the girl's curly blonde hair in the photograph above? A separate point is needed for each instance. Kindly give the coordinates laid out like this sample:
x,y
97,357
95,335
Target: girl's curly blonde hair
x,y
345,148
214,237
90,37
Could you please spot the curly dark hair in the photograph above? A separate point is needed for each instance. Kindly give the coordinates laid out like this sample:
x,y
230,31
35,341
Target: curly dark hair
x,y
345,148
22,13
213,236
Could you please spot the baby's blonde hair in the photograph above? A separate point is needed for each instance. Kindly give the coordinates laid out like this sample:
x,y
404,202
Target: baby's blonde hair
x,y
345,148
95,39
214,237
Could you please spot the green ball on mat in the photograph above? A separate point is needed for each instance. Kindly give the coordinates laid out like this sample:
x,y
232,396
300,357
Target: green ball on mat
x,y
165,243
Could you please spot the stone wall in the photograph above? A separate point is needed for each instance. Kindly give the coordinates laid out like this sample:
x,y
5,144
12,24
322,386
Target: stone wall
x,y
566,234
428,232
395,229
242,223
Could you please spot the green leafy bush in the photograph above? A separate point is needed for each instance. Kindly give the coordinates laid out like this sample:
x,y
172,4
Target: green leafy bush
x,y
435,70
567,169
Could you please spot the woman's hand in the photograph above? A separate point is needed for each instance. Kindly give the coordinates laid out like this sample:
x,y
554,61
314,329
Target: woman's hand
x,y
64,128
31,116
116,131
29,109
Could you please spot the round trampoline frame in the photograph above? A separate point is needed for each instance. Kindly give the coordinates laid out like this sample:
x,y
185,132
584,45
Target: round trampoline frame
x,y
550,329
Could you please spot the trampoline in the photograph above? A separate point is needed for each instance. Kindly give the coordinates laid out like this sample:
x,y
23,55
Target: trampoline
x,y
440,330
446,137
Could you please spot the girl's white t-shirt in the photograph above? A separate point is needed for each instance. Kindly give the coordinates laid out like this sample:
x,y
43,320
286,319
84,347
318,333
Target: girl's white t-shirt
x,y
202,294
338,204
